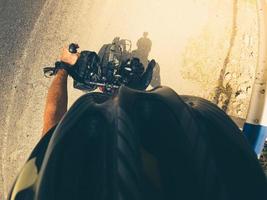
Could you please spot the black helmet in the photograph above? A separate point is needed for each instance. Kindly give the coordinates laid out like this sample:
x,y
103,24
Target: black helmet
x,y
142,145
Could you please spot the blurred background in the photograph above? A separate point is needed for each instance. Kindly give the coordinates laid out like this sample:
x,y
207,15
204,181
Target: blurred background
x,y
206,48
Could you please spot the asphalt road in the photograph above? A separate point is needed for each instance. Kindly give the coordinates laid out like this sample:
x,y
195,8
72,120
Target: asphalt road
x,y
17,20
32,33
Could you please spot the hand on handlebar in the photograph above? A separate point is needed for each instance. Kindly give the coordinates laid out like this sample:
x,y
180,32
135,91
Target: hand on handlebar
x,y
67,57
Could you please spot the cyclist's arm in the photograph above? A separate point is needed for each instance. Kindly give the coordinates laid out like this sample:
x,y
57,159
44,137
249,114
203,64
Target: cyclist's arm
x,y
57,101
57,97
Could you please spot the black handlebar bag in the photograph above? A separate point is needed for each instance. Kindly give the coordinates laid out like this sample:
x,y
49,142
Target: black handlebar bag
x,y
88,70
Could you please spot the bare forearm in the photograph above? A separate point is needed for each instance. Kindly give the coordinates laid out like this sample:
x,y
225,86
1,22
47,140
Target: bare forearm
x,y
57,101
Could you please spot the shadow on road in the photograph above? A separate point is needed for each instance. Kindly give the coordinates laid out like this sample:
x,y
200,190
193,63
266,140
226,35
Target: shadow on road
x,y
144,45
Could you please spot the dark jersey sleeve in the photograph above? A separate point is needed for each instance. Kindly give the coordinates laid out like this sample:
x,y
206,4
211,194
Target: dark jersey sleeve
x,y
40,149
24,184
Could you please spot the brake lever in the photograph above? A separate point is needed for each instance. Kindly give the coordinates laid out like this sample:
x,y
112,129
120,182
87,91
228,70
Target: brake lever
x,y
49,71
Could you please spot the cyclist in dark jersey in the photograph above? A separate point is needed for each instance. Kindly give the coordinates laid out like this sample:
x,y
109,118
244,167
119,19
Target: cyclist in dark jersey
x,y
137,145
